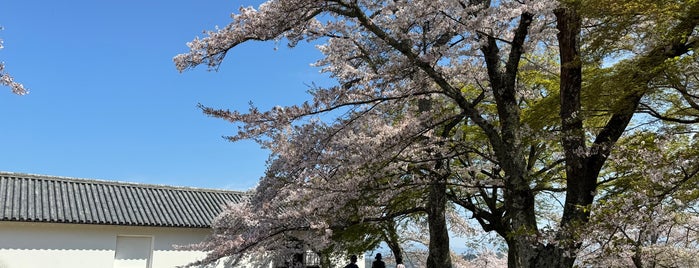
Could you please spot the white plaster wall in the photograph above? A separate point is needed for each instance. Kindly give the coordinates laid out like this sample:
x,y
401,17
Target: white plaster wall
x,y
30,245
60,245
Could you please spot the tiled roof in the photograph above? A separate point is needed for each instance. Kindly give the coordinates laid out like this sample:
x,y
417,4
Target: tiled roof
x,y
39,198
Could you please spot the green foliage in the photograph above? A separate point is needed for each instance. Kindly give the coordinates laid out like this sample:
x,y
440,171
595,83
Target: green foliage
x,y
614,26
359,238
674,94
542,112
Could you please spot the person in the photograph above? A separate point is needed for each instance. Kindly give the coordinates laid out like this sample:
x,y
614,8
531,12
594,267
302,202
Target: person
x,y
400,265
378,263
353,262
298,261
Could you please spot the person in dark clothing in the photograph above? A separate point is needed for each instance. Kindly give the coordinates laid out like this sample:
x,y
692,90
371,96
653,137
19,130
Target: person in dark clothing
x,y
378,263
353,262
298,261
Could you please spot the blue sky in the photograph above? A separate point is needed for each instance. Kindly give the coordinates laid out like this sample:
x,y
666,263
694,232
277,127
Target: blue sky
x,y
106,101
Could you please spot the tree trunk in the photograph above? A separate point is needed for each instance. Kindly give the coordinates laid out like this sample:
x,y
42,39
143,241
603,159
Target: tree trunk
x,y
392,240
524,249
583,164
521,238
581,179
438,256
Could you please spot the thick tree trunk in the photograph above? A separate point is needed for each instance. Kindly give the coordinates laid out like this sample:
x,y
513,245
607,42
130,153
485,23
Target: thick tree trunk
x,y
521,239
552,256
583,164
582,170
580,183
519,223
438,256
524,249
581,179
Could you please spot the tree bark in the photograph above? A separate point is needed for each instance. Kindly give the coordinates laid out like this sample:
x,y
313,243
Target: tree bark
x,y
520,217
584,164
438,256
522,229
581,181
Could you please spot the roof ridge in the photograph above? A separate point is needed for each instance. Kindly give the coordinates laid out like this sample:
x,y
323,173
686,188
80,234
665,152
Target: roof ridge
x,y
116,183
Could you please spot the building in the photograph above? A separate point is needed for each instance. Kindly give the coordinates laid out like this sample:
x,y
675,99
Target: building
x,y
58,222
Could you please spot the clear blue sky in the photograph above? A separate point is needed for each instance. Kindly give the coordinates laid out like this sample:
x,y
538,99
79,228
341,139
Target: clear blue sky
x,y
106,101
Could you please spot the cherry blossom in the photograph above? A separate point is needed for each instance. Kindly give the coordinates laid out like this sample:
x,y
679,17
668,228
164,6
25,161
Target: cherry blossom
x,y
9,81
476,105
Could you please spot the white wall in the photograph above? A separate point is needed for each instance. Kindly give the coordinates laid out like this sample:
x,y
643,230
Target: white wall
x,y
30,245
60,245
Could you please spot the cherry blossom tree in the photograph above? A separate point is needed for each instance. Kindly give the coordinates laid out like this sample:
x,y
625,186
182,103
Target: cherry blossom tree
x,y
7,80
647,217
438,103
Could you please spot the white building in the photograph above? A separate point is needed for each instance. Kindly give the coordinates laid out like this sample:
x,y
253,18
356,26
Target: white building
x,y
59,222
62,222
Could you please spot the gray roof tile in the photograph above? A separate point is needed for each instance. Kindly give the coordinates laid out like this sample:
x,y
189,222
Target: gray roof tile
x,y
40,198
